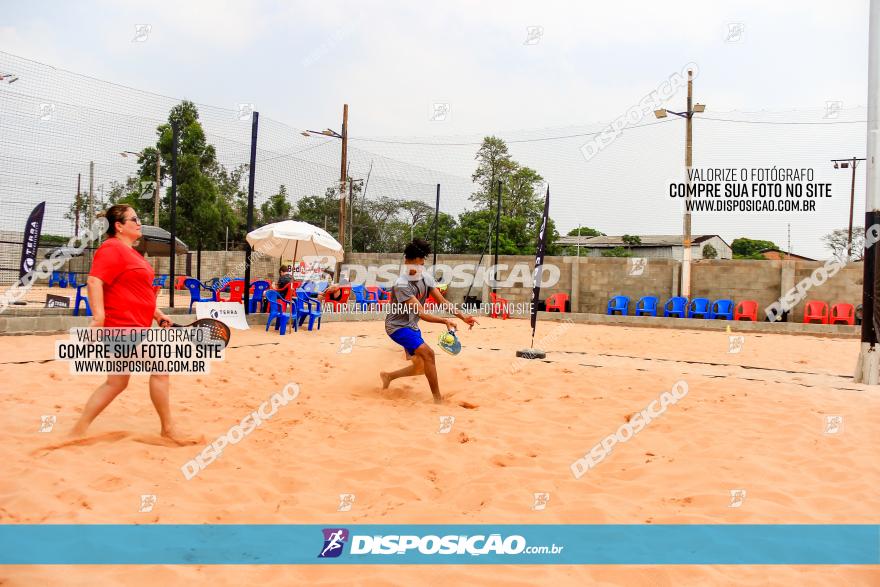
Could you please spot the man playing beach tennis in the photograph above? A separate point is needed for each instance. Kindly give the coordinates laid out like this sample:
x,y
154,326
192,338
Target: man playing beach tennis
x,y
402,322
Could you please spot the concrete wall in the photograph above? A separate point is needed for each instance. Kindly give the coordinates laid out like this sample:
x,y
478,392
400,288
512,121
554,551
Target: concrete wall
x,y
589,281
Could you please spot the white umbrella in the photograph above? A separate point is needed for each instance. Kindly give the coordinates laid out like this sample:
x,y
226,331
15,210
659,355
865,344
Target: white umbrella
x,y
294,240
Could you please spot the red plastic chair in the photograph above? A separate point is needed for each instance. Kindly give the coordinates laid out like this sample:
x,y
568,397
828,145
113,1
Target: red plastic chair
x,y
342,302
383,296
746,310
235,290
500,307
843,314
178,283
556,302
815,310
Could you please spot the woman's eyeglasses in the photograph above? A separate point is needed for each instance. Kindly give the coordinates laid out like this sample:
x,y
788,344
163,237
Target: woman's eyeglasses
x,y
134,219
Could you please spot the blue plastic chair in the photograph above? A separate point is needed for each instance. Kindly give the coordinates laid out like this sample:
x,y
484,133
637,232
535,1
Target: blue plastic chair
x,y
217,283
57,278
722,309
278,313
306,307
618,304
363,299
647,306
700,308
256,299
195,292
675,307
80,298
71,280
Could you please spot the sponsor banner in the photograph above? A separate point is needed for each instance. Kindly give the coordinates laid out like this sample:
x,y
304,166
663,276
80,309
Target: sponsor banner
x,y
229,313
642,544
53,301
31,240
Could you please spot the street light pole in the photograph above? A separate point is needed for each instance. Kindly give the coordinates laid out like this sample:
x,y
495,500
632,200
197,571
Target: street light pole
x,y
688,115
343,165
843,164
156,190
688,161
342,171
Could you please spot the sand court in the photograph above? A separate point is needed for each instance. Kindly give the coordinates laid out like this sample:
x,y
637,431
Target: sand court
x,y
781,420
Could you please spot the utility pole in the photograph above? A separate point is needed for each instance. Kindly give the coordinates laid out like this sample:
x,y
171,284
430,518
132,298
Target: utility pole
x,y
342,170
91,193
843,164
688,115
350,215
497,226
436,220
852,200
78,203
688,161
788,251
156,191
172,240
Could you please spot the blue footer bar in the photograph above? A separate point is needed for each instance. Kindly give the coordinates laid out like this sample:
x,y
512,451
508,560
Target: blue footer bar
x,y
688,544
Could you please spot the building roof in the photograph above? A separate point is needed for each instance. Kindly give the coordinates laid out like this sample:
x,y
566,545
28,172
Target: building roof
x,y
648,240
786,254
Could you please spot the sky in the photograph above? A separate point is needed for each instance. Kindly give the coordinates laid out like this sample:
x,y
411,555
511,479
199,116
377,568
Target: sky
x,y
519,70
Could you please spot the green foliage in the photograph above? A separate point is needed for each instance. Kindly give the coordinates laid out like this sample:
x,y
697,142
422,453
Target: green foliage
x,y
276,208
709,252
630,240
53,240
617,252
584,231
494,164
746,248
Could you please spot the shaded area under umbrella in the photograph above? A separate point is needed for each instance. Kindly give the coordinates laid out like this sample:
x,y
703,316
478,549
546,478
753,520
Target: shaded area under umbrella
x,y
156,241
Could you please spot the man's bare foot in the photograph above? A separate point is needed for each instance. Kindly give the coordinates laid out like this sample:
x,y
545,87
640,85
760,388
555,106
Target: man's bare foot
x,y
180,438
386,379
438,399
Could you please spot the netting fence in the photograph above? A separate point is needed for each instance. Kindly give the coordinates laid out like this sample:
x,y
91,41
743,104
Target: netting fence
x,y
68,140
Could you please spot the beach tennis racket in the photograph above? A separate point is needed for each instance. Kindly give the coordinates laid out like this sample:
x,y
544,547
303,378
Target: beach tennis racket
x,y
217,331
450,343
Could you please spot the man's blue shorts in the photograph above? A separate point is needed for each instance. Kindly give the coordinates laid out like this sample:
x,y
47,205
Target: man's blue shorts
x,y
408,338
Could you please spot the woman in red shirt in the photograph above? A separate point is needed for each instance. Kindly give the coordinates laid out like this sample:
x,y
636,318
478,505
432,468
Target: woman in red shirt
x,y
121,295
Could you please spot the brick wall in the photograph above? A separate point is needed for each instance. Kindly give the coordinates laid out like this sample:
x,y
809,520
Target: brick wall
x,y
598,279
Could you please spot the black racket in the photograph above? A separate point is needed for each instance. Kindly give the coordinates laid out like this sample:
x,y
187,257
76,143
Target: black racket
x,y
217,331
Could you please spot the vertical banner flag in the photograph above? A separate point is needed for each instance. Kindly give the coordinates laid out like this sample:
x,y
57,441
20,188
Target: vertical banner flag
x,y
31,240
539,262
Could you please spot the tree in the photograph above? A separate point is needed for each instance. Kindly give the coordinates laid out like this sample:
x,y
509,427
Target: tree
x,y
746,248
202,214
321,211
494,163
631,241
516,237
446,229
584,231
276,208
617,252
709,252
836,241
520,198
522,207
